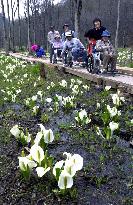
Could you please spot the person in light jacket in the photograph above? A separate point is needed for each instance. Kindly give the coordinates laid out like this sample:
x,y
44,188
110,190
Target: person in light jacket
x,y
108,51
51,36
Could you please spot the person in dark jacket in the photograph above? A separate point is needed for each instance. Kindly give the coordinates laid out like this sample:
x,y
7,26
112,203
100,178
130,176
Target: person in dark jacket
x,y
94,34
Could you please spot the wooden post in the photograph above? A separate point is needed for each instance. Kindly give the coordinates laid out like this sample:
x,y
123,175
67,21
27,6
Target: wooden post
x,y
42,71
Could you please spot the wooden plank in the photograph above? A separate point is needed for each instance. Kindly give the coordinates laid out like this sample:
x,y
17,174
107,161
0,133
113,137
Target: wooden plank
x,y
119,80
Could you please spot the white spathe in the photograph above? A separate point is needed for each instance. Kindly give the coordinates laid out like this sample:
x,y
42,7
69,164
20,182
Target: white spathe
x,y
63,83
37,153
77,161
41,171
82,114
38,138
34,97
70,167
48,134
58,165
65,180
15,131
107,87
113,126
48,100
24,163
113,111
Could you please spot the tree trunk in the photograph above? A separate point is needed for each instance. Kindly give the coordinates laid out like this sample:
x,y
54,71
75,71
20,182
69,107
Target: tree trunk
x,y
19,24
9,25
28,26
6,46
118,23
77,9
13,34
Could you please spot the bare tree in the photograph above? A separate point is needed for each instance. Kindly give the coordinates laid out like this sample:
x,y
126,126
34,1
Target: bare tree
x,y
13,34
6,46
118,23
28,25
19,23
9,24
78,9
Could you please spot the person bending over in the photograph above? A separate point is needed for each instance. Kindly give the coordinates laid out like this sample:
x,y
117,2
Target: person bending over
x,y
76,47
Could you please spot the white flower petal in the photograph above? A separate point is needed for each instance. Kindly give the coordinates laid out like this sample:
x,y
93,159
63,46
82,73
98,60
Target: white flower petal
x,y
41,171
37,153
65,180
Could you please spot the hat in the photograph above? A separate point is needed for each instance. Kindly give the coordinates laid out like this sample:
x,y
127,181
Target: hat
x,y
57,36
65,25
105,34
67,34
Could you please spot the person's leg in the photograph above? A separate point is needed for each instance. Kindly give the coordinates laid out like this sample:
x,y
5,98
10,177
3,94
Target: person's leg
x,y
84,56
55,55
51,52
59,53
106,59
75,54
113,61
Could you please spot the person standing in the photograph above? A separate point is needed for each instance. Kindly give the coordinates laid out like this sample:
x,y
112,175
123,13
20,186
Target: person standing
x,y
51,37
94,34
66,29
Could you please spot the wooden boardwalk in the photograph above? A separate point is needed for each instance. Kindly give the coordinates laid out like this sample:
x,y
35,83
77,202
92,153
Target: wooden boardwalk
x,y
122,80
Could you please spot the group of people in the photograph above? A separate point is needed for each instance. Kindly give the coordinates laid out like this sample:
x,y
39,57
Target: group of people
x,y
98,41
65,42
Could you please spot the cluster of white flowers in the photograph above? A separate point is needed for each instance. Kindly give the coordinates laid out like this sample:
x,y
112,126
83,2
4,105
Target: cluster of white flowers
x,y
117,100
63,83
19,134
68,102
82,117
124,57
65,170
36,155
110,115
10,93
46,135
113,111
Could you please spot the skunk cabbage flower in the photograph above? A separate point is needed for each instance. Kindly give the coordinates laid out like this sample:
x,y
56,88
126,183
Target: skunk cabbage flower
x,y
49,100
34,97
35,109
63,83
58,165
24,163
116,99
41,171
70,168
48,136
107,87
77,161
113,126
65,180
73,163
15,131
112,111
37,153
38,138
